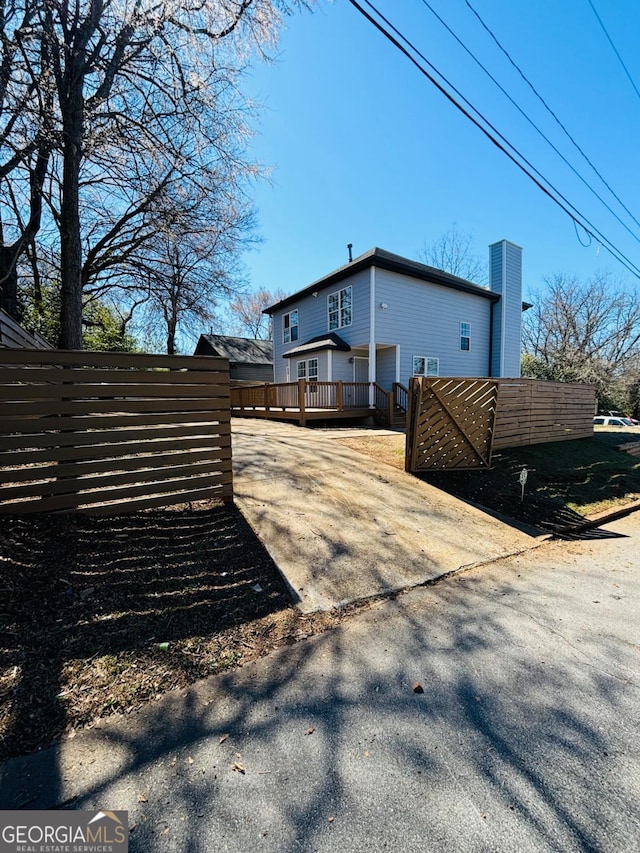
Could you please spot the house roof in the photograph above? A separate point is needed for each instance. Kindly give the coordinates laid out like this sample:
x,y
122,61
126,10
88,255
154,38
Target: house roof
x,y
321,342
237,350
394,263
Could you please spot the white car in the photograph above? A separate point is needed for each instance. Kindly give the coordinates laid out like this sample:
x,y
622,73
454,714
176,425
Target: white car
x,y
608,420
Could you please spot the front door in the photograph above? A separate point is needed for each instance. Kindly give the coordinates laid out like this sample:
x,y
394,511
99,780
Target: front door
x,y
360,369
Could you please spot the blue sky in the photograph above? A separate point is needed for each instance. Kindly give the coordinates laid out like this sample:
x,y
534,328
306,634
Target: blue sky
x,y
366,151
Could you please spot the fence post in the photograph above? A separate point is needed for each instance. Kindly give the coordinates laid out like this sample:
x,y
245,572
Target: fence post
x,y
301,387
415,391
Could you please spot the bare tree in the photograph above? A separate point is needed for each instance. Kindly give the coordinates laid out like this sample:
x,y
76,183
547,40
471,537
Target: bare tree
x,y
245,315
187,268
453,252
137,96
26,139
582,331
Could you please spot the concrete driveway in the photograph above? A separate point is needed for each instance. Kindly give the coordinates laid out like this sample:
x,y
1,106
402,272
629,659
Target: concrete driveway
x,y
342,527
525,738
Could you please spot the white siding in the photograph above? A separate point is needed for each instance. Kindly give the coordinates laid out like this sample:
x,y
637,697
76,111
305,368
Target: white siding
x,y
425,319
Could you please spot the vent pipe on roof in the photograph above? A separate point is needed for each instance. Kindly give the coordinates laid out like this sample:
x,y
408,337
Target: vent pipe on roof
x,y
350,247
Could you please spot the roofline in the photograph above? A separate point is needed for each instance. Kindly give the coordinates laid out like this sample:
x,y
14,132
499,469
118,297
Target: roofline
x,y
394,263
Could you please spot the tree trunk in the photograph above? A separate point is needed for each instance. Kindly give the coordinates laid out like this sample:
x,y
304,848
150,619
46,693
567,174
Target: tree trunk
x,y
70,239
171,339
9,278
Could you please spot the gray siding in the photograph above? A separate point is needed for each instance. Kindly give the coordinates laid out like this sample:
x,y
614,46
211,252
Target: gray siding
x,y
342,368
313,317
505,276
386,367
425,320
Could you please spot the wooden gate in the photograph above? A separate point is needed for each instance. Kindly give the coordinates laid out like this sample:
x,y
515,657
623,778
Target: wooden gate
x,y
450,424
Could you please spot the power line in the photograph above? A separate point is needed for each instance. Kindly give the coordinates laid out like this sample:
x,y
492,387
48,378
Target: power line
x,y
495,136
615,50
536,128
550,110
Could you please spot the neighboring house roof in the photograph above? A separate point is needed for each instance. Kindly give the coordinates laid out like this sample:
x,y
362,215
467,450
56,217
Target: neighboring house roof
x,y
394,263
13,335
321,342
237,350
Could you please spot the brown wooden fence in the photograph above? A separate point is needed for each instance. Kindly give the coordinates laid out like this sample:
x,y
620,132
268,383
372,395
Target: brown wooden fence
x,y
455,423
532,411
107,432
450,423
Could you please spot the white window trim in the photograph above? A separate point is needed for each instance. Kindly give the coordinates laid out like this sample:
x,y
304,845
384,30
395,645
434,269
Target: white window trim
x,y
468,336
307,362
338,293
426,359
288,329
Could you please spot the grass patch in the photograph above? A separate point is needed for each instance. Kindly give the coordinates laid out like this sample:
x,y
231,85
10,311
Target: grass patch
x,y
567,480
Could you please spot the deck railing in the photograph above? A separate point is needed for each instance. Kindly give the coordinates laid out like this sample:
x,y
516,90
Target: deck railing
x,y
303,394
400,396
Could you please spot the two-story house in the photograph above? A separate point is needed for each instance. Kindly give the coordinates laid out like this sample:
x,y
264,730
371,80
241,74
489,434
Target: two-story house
x,y
383,318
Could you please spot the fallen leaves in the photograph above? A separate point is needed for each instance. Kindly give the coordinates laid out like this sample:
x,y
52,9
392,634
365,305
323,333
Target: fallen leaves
x,y
238,768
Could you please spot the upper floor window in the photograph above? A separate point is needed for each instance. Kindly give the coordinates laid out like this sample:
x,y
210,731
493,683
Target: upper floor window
x,y
425,366
290,327
465,336
340,308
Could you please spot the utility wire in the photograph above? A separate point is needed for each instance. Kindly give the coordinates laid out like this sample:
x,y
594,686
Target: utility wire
x,y
615,50
536,128
550,111
495,136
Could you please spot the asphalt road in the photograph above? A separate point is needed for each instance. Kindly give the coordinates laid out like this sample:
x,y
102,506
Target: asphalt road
x,y
525,737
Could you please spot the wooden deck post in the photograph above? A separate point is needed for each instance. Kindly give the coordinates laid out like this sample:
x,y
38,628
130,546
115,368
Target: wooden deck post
x,y
266,396
339,395
301,388
390,407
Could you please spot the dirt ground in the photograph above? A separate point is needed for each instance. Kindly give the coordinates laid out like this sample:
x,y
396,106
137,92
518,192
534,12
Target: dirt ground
x,y
100,615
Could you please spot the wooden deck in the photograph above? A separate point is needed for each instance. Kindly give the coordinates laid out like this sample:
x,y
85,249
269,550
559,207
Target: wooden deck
x,y
304,401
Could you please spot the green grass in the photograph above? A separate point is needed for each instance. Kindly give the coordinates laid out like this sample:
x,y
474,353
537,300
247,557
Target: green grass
x,y
567,480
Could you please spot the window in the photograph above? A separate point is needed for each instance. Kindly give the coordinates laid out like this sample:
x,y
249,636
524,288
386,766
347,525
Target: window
x,y
339,304
290,327
465,336
425,366
308,369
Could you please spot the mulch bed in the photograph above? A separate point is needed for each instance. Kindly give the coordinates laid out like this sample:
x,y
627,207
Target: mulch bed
x,y
101,614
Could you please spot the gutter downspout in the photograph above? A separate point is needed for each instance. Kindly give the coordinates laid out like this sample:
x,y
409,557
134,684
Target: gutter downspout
x,y
372,335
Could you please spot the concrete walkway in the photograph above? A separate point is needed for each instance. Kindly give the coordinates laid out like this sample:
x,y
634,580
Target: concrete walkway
x,y
341,527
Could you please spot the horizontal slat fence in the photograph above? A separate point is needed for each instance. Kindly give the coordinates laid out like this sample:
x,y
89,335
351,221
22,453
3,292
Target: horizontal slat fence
x,y
533,411
456,423
111,432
